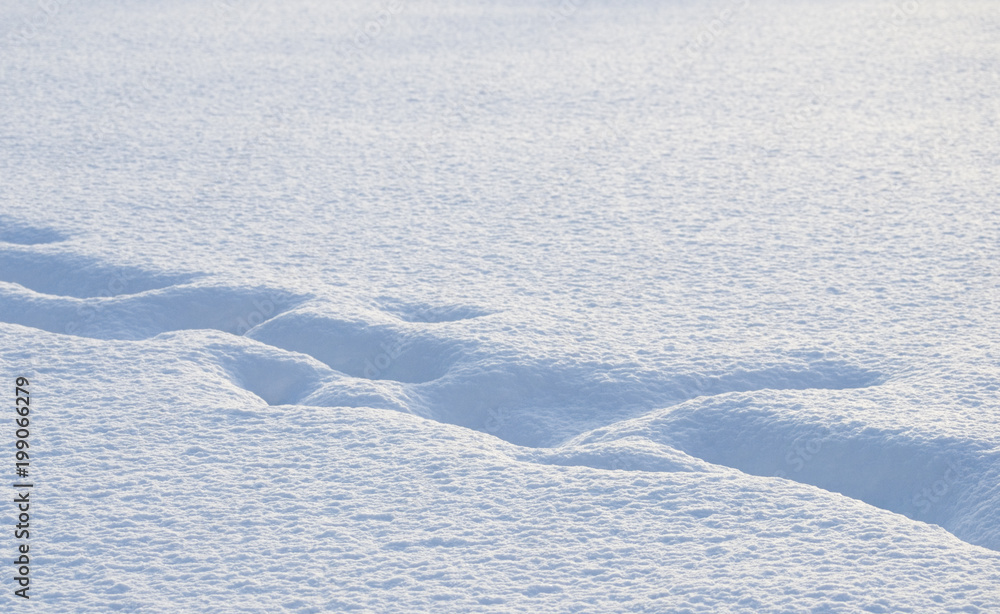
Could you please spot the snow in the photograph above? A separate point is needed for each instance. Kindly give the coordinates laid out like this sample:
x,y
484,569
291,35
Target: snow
x,y
578,306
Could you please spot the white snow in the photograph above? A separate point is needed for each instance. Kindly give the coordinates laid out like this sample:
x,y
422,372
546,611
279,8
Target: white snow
x,y
547,306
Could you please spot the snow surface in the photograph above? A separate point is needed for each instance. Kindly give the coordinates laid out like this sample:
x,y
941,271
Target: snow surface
x,y
575,306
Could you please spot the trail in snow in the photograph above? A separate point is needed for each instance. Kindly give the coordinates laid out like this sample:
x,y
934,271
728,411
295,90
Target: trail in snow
x,y
399,359
462,306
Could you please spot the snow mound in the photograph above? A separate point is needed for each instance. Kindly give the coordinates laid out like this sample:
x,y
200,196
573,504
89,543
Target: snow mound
x,y
538,402
625,454
146,314
362,348
341,391
930,478
275,376
73,275
427,313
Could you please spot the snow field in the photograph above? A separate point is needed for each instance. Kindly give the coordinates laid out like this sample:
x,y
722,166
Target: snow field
x,y
461,306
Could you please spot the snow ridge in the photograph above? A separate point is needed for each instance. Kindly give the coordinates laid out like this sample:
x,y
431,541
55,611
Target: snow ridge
x,y
290,349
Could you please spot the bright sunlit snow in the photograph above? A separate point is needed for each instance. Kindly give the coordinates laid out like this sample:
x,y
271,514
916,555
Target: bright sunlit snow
x,y
511,306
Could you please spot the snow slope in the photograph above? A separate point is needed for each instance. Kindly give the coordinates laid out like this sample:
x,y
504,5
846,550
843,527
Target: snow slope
x,y
520,306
